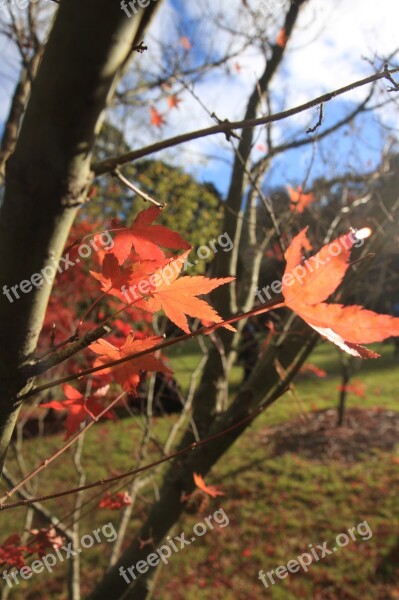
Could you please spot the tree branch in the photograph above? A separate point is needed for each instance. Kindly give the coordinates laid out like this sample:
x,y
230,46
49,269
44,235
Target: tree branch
x,y
108,165
275,303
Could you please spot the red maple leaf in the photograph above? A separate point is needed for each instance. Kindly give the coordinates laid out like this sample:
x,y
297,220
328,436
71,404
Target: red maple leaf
x,y
211,490
178,297
174,101
43,539
185,42
310,368
307,284
112,276
78,407
116,501
117,281
127,374
11,551
356,387
282,38
299,200
146,238
157,119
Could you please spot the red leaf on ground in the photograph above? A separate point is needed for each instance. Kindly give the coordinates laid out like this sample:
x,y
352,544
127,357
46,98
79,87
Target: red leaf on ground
x,y
211,490
356,387
309,368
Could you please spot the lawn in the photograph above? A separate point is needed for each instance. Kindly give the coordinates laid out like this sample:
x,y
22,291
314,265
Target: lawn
x,y
277,504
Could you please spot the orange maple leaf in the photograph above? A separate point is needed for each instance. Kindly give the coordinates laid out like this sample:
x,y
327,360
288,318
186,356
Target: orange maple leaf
x,y
178,297
282,38
174,101
157,119
127,374
211,490
306,284
299,200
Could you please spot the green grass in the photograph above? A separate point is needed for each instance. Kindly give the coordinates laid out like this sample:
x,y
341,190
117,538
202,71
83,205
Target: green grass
x,y
277,506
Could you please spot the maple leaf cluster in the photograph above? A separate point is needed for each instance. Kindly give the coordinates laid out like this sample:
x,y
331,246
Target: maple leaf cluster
x,y
12,552
154,273
151,282
42,539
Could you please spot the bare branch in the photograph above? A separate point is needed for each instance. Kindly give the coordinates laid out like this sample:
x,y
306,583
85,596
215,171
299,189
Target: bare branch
x,y
50,361
111,164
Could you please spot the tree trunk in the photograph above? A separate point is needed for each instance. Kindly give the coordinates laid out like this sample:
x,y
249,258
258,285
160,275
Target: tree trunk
x,y
346,375
179,477
18,103
48,175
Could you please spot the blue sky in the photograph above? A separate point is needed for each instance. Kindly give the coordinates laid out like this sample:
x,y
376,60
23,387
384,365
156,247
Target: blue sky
x,y
327,51
331,47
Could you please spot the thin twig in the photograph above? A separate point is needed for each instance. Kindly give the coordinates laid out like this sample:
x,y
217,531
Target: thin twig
x,y
319,122
164,459
116,173
58,453
273,304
